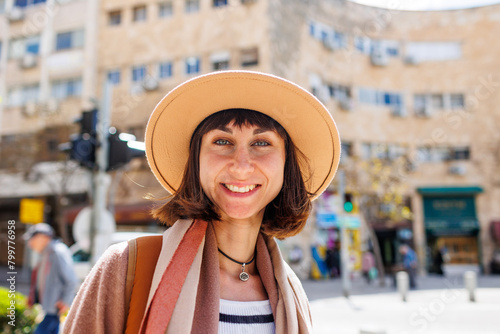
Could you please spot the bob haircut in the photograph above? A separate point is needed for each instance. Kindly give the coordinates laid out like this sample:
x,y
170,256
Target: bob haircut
x,y
284,216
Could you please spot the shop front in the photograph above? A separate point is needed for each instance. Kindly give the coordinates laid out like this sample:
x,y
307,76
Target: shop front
x,y
451,228
327,248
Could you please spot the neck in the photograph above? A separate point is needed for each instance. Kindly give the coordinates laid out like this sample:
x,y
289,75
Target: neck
x,y
237,239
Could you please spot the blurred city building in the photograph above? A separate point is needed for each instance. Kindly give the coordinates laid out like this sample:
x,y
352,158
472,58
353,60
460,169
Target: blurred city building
x,y
414,95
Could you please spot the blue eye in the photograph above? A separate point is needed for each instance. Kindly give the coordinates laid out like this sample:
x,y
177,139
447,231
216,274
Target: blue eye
x,y
222,142
261,143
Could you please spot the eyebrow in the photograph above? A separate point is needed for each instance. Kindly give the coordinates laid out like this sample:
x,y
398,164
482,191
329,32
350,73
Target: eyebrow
x,y
255,132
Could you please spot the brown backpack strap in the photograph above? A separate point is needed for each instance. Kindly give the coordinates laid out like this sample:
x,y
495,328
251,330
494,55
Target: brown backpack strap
x,y
143,255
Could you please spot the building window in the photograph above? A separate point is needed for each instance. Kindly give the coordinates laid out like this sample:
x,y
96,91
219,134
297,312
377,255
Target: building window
x,y
21,46
26,3
62,89
250,57
219,3
339,92
165,70
457,101
437,101
192,6
328,36
220,65
139,13
372,96
165,9
382,151
15,97
33,44
346,151
425,104
115,18
433,51
383,46
21,95
460,153
138,73
30,93
192,65
53,145
220,61
442,153
114,77
69,40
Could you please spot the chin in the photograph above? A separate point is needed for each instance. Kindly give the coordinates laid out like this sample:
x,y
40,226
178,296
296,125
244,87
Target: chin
x,y
242,215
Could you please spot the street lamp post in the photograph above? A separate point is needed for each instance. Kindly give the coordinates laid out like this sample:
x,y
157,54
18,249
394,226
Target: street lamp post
x,y
344,240
101,179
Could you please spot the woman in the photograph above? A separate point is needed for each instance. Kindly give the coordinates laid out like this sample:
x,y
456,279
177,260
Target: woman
x,y
243,155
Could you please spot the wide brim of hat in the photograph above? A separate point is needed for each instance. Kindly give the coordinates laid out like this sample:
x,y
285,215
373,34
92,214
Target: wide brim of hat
x,y
305,118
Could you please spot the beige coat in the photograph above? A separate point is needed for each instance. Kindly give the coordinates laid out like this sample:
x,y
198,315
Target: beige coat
x,y
99,305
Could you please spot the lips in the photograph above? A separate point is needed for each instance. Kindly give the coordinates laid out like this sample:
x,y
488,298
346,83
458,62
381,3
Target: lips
x,y
240,189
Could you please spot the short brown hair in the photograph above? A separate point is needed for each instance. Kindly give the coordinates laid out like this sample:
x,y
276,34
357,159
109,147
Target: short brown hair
x,y
284,216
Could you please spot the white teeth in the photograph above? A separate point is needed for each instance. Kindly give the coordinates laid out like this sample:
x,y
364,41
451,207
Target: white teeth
x,y
236,189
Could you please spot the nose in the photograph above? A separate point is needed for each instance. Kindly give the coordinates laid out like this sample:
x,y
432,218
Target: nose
x,y
242,165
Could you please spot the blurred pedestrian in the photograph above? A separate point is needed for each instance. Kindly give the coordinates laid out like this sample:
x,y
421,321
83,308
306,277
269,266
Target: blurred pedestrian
x,y
53,281
367,266
410,263
439,259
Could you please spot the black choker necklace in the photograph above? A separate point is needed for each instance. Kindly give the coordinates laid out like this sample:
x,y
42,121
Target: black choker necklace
x,y
243,275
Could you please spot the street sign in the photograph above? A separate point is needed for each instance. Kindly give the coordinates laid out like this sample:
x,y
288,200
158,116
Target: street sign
x,y
330,219
31,211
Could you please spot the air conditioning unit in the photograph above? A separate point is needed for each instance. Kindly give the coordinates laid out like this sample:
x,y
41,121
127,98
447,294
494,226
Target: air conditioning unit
x,y
15,14
30,109
345,103
150,84
247,1
329,44
410,60
29,60
399,111
457,169
379,58
425,111
50,107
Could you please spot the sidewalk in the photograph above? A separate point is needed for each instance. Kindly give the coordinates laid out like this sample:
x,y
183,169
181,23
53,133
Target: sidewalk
x,y
440,305
444,311
333,287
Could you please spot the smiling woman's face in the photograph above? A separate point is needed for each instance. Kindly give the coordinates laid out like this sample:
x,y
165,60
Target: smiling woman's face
x,y
241,170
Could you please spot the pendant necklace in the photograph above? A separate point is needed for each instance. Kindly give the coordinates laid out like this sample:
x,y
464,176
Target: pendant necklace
x,y
243,275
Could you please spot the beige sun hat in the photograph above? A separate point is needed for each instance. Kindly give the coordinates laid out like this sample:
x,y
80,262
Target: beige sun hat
x,y
307,121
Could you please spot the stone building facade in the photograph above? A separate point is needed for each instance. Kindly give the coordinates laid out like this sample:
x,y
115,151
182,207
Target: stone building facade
x,y
423,85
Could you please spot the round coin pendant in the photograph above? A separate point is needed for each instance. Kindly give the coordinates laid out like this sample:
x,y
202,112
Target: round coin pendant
x,y
244,276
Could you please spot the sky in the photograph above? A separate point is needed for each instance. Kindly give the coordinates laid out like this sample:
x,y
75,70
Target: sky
x,y
426,4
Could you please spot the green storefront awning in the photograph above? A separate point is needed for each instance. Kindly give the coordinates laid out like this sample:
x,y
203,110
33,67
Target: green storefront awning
x,y
451,227
447,214
431,191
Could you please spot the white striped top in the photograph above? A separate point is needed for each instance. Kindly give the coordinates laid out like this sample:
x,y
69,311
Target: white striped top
x,y
246,317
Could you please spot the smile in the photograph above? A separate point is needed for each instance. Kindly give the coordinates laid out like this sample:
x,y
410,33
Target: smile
x,y
236,189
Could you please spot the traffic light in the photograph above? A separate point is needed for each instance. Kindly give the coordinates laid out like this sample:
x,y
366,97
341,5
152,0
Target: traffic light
x,y
83,150
348,205
83,145
122,150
